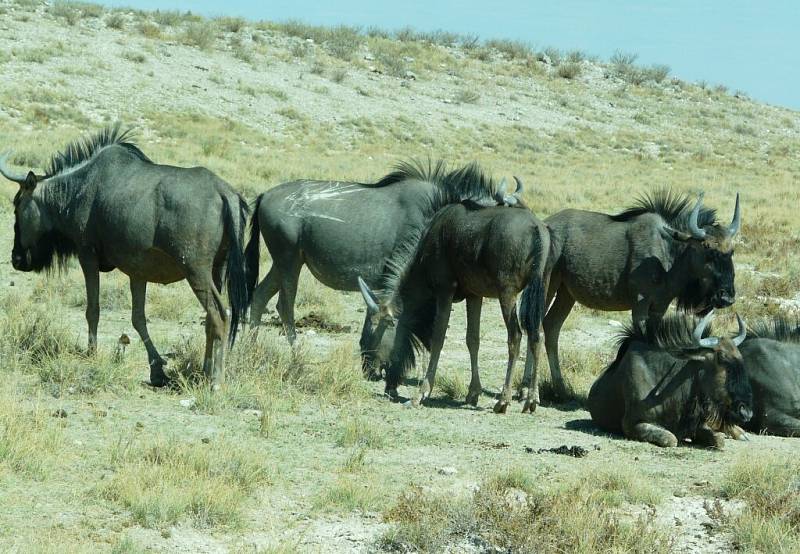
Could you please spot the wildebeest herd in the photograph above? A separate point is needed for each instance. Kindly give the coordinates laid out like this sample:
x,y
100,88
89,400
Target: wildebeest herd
x,y
413,243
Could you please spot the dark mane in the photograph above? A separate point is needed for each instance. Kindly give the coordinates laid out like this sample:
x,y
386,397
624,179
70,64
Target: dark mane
x,y
674,332
83,150
780,328
674,207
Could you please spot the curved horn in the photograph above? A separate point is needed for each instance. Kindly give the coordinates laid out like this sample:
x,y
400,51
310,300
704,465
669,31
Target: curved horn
x,y
519,185
20,178
500,192
697,335
369,296
694,228
739,339
736,222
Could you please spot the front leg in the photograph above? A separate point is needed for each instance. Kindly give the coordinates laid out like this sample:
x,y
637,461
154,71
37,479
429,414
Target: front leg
x,y
705,436
91,276
444,301
649,432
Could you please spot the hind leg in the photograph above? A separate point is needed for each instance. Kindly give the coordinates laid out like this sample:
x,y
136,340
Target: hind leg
x,y
443,304
508,304
529,391
263,293
648,432
216,327
138,294
288,286
474,304
552,328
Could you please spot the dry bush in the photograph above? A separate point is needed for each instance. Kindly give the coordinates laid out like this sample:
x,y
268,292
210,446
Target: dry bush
x,y
29,438
569,70
349,494
149,30
201,34
512,49
162,481
115,20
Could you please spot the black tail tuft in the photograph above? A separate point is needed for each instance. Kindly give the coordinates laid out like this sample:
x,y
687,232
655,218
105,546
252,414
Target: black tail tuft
x,y
531,309
236,273
252,253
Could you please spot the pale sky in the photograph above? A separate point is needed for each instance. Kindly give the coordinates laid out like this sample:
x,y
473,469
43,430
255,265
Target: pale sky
x,y
753,46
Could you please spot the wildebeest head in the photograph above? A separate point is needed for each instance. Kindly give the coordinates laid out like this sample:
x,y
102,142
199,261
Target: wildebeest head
x,y
723,382
377,335
36,245
709,251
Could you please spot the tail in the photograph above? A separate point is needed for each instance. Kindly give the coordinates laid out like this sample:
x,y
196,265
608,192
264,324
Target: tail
x,y
239,292
252,252
531,309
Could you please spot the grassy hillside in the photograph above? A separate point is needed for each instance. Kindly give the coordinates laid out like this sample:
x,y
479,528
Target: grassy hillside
x,y
299,453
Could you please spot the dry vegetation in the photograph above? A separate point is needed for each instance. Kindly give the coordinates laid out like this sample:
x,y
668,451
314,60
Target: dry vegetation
x,y
299,453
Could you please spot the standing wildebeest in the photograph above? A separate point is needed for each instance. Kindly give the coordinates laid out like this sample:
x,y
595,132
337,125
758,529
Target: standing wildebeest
x,y
103,201
771,356
344,230
670,383
465,252
642,259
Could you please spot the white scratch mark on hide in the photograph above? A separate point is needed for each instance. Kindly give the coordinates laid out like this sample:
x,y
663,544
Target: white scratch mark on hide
x,y
310,192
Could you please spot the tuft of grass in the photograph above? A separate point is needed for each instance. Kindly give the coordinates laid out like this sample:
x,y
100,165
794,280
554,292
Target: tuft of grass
x,y
33,332
135,57
162,481
512,49
200,34
349,494
358,432
230,24
770,487
149,30
467,96
115,20
452,385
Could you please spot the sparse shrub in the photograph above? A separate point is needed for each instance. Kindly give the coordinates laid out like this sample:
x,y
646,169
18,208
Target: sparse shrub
x,y
199,34
576,56
569,70
359,432
136,57
318,68
29,439
230,24
290,113
349,494
742,129
553,54
512,49
406,34
377,32
115,21
343,41
467,97
299,49
658,72
167,18
622,60
149,30
66,11
339,75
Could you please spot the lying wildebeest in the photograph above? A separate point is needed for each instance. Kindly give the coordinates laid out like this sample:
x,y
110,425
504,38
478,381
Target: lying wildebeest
x,y
670,382
465,252
343,230
103,201
771,356
642,259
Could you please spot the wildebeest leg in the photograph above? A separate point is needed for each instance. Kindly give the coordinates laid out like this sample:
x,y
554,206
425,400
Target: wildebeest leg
x,y
508,305
474,304
216,324
552,328
288,286
530,377
737,433
263,293
783,425
154,360
444,302
648,432
705,436
91,276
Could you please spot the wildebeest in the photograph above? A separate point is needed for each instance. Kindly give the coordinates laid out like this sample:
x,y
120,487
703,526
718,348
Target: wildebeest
x,y
104,202
642,259
771,356
672,382
466,252
344,230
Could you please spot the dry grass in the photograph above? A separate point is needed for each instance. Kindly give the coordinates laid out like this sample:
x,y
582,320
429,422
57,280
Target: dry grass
x,y
512,513
164,480
770,487
29,438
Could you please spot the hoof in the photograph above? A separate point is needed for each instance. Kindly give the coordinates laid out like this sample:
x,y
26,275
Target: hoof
x,y
391,394
472,399
157,383
500,407
529,406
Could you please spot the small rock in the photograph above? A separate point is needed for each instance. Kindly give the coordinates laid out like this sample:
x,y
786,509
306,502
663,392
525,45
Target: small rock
x,y
61,412
408,59
369,57
187,402
410,75
139,425
311,333
680,493
205,440
11,283
447,470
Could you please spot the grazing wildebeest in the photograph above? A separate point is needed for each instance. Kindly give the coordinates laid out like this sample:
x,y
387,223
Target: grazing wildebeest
x,y
103,201
771,356
671,382
466,252
642,259
343,230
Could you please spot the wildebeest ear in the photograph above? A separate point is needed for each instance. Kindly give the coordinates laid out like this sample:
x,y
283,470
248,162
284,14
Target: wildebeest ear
x,y
30,182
